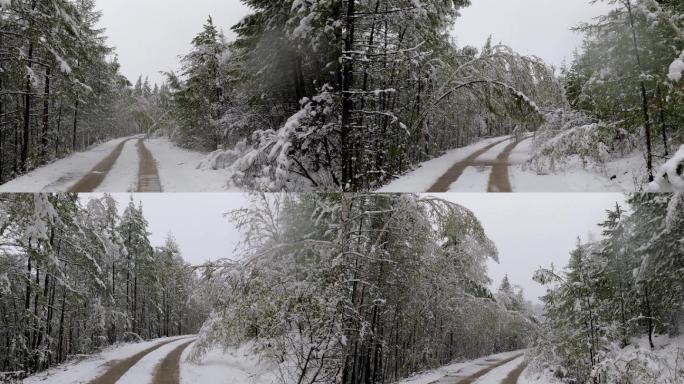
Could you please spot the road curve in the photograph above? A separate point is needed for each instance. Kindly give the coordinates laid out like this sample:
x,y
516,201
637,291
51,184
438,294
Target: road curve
x,y
96,176
451,176
119,368
473,378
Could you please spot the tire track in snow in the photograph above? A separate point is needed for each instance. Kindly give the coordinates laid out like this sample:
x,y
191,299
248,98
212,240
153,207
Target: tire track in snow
x,y
515,374
148,175
96,176
119,368
500,180
451,176
168,371
474,377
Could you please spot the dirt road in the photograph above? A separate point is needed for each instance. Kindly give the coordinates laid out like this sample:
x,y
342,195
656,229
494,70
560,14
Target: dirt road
x,y
499,179
515,374
166,372
147,176
452,175
96,176
489,366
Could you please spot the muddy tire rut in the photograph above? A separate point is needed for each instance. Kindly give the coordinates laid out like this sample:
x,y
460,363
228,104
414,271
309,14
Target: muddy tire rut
x,y
148,175
452,175
96,176
119,368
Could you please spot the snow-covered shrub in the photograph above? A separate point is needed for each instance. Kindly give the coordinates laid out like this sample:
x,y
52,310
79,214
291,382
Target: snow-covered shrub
x,y
671,175
640,365
301,155
569,138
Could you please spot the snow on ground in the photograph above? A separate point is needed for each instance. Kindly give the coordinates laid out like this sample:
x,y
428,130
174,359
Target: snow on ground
x,y
422,178
83,371
61,174
626,173
143,371
633,363
621,175
474,179
529,377
123,177
178,169
235,366
466,368
498,375
493,153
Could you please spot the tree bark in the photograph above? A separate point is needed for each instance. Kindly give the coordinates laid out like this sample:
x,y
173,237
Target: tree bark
x,y
46,117
75,127
644,97
347,101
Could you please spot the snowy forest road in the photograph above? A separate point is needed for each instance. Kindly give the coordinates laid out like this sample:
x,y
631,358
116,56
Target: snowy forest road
x,y
495,371
117,369
97,175
168,371
166,365
499,179
443,183
119,164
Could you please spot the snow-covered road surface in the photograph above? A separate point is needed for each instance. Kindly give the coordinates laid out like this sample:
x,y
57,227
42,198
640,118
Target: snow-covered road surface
x,y
162,361
132,164
105,367
496,165
503,368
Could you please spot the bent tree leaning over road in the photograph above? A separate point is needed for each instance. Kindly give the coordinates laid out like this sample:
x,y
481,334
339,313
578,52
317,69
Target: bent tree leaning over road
x,y
76,277
362,288
341,94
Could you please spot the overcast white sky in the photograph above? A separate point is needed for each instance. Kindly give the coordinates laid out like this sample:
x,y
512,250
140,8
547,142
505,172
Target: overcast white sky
x,y
530,230
150,35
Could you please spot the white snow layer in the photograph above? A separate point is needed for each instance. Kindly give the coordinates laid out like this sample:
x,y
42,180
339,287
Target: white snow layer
x,y
123,177
621,175
422,178
676,69
669,179
179,169
233,366
143,371
498,375
462,369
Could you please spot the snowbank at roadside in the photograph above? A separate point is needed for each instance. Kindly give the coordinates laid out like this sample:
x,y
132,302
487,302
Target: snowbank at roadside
x,y
671,175
239,365
179,169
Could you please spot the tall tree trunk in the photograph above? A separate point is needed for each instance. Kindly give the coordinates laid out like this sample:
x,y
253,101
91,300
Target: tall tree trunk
x,y
644,97
663,126
27,113
46,117
75,127
58,128
60,337
347,101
